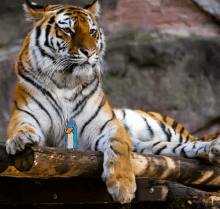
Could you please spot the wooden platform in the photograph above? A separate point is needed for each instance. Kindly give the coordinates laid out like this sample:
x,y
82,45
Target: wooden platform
x,y
44,177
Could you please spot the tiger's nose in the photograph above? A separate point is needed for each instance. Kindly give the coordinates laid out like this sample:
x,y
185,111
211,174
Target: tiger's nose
x,y
88,52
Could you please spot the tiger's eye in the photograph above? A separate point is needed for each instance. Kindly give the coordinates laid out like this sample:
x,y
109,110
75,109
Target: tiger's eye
x,y
92,31
67,30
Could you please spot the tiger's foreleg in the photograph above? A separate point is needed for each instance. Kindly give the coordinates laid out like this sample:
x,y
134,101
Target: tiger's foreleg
x,y
207,150
115,143
23,129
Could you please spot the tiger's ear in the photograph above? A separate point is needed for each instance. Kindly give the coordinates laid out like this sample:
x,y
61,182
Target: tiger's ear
x,y
94,8
33,11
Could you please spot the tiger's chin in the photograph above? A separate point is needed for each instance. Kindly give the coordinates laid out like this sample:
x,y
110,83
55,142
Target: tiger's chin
x,y
74,75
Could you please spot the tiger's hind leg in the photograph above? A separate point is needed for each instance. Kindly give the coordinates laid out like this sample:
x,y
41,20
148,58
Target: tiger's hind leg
x,y
208,150
154,133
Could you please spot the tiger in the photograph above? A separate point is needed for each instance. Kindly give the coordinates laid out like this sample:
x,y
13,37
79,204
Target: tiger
x,y
59,80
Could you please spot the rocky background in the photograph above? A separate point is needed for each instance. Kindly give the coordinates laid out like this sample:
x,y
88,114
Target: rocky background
x,y
162,55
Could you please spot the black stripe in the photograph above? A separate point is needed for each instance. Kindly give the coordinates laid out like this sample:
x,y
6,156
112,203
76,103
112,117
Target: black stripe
x,y
164,118
124,114
58,44
51,42
47,36
39,104
167,133
181,132
68,14
97,142
183,153
67,18
30,138
155,144
60,11
151,115
101,46
187,138
194,145
52,20
43,53
134,149
94,115
62,23
160,150
198,150
124,123
17,144
202,139
56,7
174,125
20,139
174,149
102,128
78,10
126,128
148,127
16,105
205,148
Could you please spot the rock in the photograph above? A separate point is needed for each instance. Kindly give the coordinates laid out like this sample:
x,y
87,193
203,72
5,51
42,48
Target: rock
x,y
7,87
211,7
175,17
179,78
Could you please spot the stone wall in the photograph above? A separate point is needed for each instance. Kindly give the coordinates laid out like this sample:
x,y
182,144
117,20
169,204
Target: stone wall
x,y
161,56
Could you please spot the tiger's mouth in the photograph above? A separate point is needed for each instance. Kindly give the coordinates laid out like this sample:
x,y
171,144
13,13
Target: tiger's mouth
x,y
71,68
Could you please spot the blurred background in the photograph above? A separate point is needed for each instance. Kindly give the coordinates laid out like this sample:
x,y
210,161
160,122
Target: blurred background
x,y
162,55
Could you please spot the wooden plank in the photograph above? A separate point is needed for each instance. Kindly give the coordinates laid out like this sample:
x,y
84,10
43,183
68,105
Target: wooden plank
x,y
69,191
89,190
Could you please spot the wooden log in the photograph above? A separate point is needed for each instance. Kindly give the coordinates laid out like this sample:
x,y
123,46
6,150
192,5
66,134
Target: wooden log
x,y
47,162
5,159
180,196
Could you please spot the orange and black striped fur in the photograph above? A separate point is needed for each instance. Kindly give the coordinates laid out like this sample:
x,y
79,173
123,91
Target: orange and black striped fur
x,y
58,72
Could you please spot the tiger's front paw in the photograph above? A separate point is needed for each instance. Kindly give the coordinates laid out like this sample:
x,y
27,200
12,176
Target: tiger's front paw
x,y
122,189
18,142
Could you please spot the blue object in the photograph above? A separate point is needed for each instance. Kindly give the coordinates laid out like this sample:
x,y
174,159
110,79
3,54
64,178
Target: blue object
x,y
71,135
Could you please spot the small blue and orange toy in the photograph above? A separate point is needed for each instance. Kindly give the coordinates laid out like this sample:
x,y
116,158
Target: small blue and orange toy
x,y
71,136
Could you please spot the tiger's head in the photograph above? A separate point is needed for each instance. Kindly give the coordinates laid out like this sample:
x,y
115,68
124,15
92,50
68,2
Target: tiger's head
x,y
65,39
